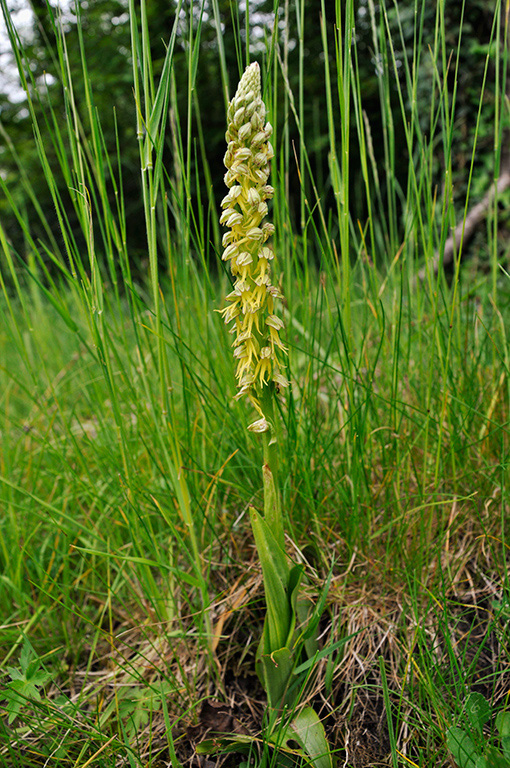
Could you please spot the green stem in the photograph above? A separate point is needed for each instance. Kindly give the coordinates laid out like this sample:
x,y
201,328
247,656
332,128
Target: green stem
x,y
272,502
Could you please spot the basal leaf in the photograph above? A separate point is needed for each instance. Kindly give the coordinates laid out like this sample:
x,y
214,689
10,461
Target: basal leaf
x,y
478,711
503,726
275,671
307,729
462,747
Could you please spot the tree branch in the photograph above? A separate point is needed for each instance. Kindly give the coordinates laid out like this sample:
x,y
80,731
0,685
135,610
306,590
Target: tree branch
x,y
466,229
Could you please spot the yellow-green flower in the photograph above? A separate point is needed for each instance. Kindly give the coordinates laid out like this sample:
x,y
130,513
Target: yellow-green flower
x,y
257,345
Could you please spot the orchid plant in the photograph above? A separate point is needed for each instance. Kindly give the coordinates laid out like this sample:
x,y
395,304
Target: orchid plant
x,y
288,647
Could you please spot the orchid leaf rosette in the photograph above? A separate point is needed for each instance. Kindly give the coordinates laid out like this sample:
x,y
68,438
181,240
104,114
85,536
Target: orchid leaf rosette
x,y
252,303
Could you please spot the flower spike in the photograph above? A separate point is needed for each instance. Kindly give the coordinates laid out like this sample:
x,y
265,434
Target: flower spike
x,y
257,345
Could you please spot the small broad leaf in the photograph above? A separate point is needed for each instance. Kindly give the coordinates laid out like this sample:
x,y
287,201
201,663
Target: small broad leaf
x,y
18,693
25,688
503,726
494,759
307,729
15,674
27,654
39,678
478,711
13,706
462,747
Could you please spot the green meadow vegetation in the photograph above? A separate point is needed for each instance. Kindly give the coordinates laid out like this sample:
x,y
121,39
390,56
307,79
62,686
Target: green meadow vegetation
x,y
132,595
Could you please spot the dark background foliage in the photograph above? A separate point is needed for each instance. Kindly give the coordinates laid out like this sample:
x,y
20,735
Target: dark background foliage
x,y
106,35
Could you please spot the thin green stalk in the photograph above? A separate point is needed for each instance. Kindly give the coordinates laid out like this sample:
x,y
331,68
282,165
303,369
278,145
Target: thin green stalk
x,y
270,473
